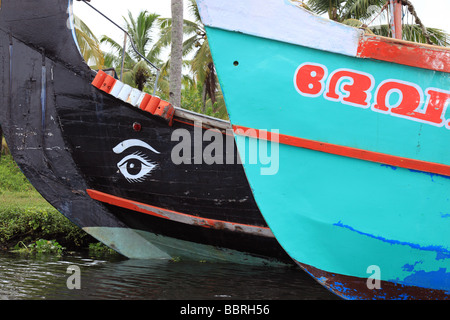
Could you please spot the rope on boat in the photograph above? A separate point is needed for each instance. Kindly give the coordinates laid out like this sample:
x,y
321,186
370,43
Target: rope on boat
x,y
418,21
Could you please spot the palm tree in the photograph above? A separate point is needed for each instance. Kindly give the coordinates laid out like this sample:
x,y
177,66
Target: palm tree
x,y
361,14
201,65
89,45
341,10
176,54
413,28
136,71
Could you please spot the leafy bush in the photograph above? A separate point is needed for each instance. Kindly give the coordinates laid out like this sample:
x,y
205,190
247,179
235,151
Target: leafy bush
x,y
40,246
31,224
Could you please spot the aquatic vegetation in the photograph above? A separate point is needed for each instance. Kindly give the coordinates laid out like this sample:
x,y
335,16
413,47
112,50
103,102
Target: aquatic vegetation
x,y
40,246
100,248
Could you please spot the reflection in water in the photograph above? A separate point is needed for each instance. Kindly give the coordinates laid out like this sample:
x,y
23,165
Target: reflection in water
x,y
45,277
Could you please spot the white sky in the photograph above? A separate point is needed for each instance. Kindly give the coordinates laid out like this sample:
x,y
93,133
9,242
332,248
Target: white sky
x,y
433,13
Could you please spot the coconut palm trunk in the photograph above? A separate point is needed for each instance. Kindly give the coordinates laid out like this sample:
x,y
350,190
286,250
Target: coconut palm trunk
x,y
176,55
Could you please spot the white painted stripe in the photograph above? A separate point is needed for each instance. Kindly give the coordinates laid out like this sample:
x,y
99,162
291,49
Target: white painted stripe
x,y
116,89
124,92
134,96
280,20
139,100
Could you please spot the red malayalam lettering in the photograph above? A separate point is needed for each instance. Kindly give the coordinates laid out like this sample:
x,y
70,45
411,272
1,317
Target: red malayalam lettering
x,y
410,100
309,79
355,87
437,103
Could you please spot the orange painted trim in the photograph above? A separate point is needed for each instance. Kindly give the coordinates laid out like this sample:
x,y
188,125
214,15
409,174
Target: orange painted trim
x,y
104,81
99,78
344,151
145,101
405,52
177,216
149,103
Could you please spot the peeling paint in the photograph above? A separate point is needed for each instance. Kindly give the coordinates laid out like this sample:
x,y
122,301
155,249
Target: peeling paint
x,y
178,216
435,279
432,175
409,267
354,288
440,251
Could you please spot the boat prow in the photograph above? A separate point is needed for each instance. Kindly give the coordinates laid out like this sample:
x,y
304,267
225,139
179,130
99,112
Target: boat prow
x,y
360,125
101,152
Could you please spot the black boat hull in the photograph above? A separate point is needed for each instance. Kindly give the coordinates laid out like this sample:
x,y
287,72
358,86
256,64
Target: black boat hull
x,y
108,166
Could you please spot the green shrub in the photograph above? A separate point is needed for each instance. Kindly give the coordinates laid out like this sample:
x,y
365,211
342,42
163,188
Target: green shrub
x,y
26,217
40,246
31,224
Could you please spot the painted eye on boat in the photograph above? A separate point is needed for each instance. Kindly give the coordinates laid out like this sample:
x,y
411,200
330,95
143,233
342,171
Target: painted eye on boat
x,y
135,167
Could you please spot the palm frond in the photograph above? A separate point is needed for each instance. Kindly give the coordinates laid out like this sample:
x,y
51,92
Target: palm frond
x,y
360,9
323,6
89,44
353,23
192,6
414,33
112,43
111,60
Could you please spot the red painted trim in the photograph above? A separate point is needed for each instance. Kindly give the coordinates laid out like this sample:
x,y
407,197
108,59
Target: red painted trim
x,y
346,151
404,52
177,216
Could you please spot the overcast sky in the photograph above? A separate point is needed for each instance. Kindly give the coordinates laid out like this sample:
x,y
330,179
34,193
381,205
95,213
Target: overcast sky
x,y
433,13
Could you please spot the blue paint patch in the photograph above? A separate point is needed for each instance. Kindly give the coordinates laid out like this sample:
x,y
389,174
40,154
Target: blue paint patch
x,y
403,296
410,267
439,280
342,290
388,166
445,215
441,253
432,175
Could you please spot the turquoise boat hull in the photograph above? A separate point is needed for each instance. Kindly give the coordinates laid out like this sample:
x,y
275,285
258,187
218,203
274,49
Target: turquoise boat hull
x,y
353,181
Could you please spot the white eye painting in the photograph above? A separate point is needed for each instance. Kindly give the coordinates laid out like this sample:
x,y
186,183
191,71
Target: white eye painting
x,y
136,166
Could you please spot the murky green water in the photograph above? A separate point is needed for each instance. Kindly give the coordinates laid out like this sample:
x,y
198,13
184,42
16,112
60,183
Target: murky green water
x,y
36,277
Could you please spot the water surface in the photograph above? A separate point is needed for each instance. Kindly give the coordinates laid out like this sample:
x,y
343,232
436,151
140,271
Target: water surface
x,y
111,277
